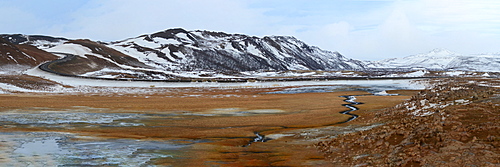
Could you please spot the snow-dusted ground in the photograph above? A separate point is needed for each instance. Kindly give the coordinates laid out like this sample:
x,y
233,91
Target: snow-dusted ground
x,y
409,83
4,86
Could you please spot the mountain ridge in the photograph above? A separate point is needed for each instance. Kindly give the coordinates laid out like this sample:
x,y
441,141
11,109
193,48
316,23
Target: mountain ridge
x,y
179,53
165,54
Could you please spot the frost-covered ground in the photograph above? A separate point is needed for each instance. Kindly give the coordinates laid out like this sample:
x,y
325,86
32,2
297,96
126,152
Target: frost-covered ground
x,y
84,85
440,95
81,83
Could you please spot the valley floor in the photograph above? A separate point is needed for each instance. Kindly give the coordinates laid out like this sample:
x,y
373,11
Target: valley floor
x,y
201,126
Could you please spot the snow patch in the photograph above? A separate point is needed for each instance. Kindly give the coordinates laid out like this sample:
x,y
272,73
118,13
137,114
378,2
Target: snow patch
x,y
384,93
455,73
71,49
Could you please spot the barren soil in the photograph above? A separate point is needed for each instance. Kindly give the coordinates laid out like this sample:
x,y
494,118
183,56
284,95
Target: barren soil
x,y
463,130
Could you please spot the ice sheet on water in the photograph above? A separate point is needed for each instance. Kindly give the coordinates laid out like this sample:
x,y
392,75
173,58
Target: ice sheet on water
x,y
61,149
68,118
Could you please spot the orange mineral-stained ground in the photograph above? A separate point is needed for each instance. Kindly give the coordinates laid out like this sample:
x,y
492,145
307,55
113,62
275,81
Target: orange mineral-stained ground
x,y
224,121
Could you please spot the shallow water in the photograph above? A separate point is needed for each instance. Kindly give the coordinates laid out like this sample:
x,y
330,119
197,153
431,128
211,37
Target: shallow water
x,y
370,88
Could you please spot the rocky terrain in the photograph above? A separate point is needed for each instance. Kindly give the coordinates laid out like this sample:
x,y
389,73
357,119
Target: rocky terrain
x,y
454,123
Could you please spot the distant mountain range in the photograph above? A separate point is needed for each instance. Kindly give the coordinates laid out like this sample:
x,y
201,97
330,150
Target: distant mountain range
x,y
177,53
442,59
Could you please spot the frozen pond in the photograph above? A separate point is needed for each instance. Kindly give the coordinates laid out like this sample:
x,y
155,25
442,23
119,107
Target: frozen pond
x,y
65,149
59,118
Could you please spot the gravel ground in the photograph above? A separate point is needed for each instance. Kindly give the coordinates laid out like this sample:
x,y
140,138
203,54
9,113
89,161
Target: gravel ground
x,y
454,123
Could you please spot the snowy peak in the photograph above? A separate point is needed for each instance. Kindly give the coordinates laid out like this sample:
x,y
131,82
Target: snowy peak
x,y
438,52
442,59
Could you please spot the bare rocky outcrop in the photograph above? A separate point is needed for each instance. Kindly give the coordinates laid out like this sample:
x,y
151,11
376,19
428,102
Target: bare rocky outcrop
x,y
460,127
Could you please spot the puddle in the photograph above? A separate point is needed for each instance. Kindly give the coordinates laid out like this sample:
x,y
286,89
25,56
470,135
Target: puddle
x,y
65,149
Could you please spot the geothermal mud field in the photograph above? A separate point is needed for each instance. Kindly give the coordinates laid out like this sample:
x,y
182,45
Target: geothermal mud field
x,y
295,125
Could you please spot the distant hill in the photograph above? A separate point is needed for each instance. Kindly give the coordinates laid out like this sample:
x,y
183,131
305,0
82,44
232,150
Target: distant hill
x,y
442,59
22,54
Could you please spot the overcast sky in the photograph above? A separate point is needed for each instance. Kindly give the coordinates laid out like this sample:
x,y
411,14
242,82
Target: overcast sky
x,y
359,29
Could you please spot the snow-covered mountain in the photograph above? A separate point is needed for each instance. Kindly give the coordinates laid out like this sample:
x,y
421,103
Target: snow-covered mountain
x,y
441,59
178,49
169,53
177,53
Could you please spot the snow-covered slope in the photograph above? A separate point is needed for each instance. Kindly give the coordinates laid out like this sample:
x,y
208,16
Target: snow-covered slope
x,y
479,62
178,49
22,55
442,59
39,41
178,53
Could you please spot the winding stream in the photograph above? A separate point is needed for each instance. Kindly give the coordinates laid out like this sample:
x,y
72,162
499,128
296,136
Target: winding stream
x,y
258,138
350,99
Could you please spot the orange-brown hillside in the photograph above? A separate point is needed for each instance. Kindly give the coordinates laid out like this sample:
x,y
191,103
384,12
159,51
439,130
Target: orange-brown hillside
x,y
11,54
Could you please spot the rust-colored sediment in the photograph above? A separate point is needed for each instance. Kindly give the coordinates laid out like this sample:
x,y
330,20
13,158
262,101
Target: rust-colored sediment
x,y
298,111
